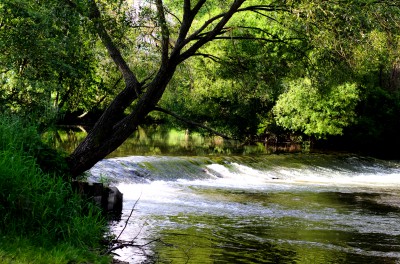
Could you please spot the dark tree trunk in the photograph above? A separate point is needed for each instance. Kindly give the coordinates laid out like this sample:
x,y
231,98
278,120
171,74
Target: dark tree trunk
x,y
109,132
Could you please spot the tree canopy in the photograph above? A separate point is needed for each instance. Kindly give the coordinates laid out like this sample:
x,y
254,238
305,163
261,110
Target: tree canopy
x,y
241,67
304,108
46,57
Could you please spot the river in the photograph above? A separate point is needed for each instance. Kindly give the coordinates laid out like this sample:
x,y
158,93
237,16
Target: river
x,y
244,206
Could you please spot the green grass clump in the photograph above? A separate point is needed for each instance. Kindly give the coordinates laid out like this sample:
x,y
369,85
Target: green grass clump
x,y
42,219
20,250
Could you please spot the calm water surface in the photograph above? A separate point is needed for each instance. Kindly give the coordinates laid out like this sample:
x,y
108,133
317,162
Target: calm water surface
x,y
231,204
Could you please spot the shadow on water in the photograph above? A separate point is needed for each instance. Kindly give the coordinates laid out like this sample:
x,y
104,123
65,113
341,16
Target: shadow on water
x,y
368,203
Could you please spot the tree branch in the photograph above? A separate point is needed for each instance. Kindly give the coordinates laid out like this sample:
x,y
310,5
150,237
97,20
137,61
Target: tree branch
x,y
173,15
189,122
123,244
253,38
129,217
188,17
164,31
268,8
249,8
197,7
186,22
210,36
209,56
129,77
205,25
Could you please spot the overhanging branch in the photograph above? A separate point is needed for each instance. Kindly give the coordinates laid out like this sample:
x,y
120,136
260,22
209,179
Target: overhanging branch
x,y
256,8
209,56
249,38
221,20
224,18
190,122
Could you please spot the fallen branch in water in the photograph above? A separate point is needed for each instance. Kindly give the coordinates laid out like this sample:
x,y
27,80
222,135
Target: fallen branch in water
x,y
119,244
124,244
129,217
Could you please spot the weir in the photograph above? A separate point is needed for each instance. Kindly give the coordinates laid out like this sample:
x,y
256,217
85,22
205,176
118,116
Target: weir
x,y
293,208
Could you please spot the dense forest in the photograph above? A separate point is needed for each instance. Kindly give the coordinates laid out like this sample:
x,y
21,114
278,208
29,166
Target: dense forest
x,y
326,72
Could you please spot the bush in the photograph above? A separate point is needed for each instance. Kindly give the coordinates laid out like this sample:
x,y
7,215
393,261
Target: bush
x,y
39,206
304,108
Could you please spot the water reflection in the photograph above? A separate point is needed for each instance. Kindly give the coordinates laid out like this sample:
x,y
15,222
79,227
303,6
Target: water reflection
x,y
65,138
228,242
204,224
158,140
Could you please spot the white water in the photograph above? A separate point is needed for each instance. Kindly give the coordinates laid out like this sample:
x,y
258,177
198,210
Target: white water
x,y
319,196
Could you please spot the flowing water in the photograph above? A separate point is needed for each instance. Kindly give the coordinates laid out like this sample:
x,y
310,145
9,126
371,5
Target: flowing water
x,y
219,204
288,208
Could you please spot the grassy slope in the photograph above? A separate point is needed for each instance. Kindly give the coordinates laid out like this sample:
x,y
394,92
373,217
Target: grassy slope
x,y
42,220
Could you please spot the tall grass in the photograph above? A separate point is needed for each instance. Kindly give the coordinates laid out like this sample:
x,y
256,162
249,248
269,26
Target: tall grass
x,y
40,209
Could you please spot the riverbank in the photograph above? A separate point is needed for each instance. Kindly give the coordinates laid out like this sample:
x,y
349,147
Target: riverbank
x,y
43,219
24,249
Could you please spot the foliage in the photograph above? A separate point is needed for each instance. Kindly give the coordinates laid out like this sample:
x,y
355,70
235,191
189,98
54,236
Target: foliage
x,y
376,130
235,80
40,208
21,250
47,58
304,108
228,78
355,43
19,133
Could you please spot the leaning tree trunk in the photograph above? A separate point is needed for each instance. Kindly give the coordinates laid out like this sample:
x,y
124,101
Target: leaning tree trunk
x,y
109,132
